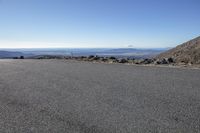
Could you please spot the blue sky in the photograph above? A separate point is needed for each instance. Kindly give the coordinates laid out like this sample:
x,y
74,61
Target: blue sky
x,y
98,23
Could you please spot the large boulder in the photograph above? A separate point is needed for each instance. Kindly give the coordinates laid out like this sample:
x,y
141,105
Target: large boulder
x,y
123,60
147,61
170,60
165,61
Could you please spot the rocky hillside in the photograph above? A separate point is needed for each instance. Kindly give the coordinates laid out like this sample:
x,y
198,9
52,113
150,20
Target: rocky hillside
x,y
188,52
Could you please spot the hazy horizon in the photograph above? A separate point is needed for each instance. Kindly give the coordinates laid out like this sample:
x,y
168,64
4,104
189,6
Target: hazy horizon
x,y
98,23
1,48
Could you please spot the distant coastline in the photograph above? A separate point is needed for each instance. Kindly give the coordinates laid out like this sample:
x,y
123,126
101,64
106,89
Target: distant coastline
x,y
118,52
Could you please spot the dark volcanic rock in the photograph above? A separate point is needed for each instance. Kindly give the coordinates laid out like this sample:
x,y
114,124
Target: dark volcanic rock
x,y
170,60
147,61
123,61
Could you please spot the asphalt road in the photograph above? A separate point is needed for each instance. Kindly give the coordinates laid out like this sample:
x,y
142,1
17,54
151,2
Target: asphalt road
x,y
58,96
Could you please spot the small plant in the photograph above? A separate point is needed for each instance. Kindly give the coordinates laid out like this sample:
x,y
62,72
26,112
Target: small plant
x,y
123,61
91,56
104,59
15,58
21,57
112,58
96,58
83,57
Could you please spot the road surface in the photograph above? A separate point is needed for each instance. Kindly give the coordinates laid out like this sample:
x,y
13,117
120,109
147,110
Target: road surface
x,y
59,96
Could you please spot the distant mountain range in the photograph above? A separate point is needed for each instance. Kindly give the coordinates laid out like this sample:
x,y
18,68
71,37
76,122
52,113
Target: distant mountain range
x,y
188,52
8,54
120,52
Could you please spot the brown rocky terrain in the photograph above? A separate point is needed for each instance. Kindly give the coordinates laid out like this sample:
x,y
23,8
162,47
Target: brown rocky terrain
x,y
188,52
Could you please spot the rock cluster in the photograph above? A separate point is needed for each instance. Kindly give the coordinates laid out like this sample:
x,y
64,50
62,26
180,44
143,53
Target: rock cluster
x,y
165,61
113,59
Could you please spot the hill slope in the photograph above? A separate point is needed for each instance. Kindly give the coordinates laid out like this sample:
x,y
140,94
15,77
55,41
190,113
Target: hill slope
x,y
4,54
188,52
7,54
